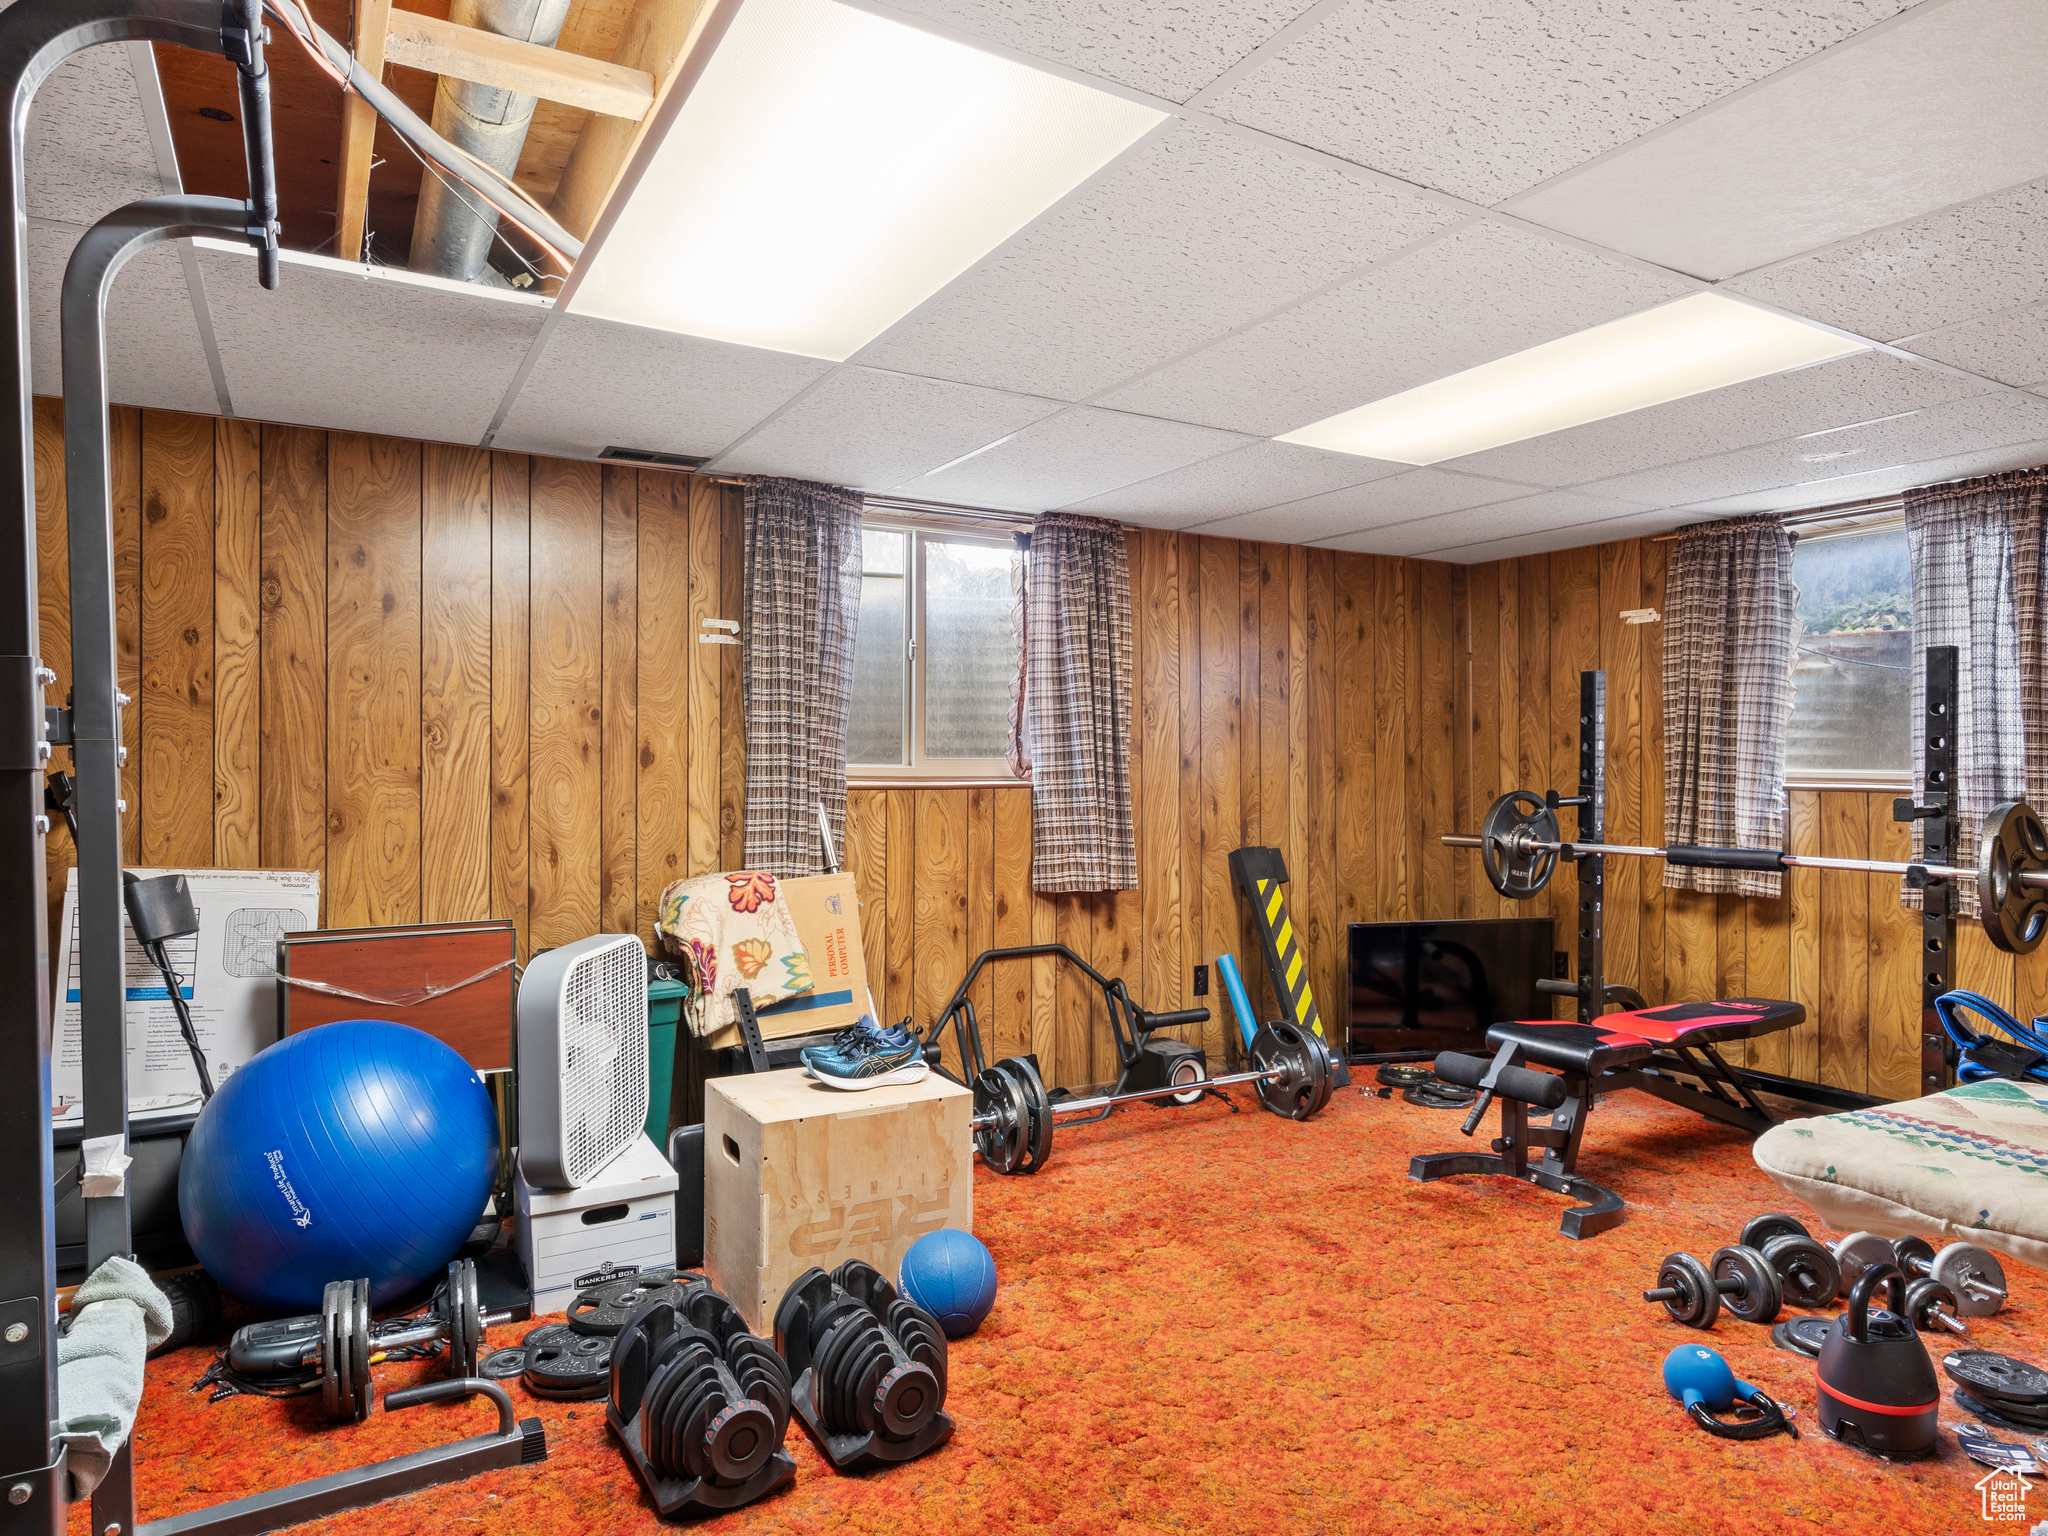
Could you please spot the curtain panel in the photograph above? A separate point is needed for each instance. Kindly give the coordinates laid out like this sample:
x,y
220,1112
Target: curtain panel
x,y
1976,550
1731,627
1077,694
801,610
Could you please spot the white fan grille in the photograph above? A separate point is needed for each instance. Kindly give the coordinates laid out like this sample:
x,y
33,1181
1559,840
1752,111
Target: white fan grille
x,y
604,1057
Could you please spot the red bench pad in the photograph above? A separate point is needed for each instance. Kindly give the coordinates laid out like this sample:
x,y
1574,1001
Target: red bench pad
x,y
1621,1039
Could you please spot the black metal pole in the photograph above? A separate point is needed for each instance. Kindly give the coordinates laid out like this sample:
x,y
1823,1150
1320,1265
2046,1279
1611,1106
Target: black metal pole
x,y
1937,897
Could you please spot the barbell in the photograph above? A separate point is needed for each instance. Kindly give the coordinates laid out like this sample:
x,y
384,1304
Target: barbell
x,y
1520,846
1014,1114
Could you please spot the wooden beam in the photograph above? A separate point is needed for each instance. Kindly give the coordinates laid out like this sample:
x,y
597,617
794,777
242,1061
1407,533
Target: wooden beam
x,y
657,38
359,132
467,53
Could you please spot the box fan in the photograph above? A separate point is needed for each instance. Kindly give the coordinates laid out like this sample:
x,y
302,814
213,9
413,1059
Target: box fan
x,y
582,1059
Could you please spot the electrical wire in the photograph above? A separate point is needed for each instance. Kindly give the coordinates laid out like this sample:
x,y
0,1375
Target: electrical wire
x,y
2034,1038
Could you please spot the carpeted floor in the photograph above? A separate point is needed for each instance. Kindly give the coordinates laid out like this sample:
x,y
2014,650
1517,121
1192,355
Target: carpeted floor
x,y
1237,1323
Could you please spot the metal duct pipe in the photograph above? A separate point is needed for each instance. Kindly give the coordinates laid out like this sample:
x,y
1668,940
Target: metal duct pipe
x,y
449,238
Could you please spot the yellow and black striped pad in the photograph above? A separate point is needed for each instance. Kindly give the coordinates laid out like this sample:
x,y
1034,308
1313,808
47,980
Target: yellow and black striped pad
x,y
1258,874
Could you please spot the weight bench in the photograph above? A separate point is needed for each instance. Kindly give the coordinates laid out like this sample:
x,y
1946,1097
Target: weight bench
x,y
1645,1049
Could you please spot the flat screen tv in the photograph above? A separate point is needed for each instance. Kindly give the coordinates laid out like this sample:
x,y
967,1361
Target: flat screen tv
x,y
1439,986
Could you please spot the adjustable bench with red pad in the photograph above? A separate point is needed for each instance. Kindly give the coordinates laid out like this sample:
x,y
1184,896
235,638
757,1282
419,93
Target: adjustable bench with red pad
x,y
1651,1049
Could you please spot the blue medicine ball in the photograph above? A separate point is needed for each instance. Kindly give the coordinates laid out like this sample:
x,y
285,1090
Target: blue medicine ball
x,y
951,1275
359,1148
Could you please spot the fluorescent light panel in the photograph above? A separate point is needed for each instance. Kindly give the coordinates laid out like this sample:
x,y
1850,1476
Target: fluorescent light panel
x,y
831,170
1683,348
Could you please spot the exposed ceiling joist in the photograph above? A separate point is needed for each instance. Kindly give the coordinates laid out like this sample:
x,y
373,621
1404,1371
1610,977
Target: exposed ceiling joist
x,y
359,131
468,53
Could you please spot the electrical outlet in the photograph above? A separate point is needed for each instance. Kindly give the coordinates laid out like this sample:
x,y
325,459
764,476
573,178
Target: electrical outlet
x,y
1201,981
1561,965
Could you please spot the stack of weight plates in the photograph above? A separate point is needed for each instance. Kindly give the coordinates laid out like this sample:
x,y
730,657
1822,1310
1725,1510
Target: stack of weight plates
x,y
1999,1388
572,1361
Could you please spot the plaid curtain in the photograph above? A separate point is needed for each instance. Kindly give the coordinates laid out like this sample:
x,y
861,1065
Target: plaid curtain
x,y
801,609
1018,750
1730,632
2027,496
1078,694
1966,540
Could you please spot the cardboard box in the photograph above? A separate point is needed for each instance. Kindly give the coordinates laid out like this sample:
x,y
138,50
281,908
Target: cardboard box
x,y
797,1174
826,912
624,1216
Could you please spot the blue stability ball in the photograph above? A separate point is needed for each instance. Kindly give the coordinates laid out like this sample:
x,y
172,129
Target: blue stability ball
x,y
950,1274
358,1148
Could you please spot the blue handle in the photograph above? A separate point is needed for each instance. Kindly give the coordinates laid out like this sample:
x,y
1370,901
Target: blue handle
x,y
1240,1005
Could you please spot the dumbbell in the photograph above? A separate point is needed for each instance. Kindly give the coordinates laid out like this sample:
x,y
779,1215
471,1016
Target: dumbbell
x,y
1972,1274
1809,1272
1930,1304
1739,1277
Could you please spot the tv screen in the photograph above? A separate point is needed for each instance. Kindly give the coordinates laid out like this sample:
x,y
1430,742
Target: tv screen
x,y
1439,986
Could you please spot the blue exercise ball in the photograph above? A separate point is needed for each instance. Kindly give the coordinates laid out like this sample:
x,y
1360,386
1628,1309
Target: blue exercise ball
x,y
952,1276
355,1149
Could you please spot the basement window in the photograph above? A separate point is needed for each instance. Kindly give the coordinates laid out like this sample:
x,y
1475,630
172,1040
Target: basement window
x,y
1852,676
934,656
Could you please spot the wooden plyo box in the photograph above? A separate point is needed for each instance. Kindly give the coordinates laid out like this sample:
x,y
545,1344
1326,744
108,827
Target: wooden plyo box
x,y
797,1174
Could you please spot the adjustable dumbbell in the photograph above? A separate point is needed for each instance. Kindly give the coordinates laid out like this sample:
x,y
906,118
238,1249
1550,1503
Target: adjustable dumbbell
x,y
1973,1275
1807,1269
1739,1277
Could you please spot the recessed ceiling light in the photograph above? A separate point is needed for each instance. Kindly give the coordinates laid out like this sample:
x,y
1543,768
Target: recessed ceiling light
x,y
1683,348
829,170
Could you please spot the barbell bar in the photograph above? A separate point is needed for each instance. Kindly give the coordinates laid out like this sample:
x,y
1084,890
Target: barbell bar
x,y
1521,849
1104,1101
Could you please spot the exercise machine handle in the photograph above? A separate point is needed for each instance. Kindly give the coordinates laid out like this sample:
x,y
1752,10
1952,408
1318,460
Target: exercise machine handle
x,y
1173,1020
1545,1090
458,1386
1766,860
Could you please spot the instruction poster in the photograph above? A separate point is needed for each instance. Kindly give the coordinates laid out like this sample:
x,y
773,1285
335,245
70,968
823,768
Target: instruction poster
x,y
228,975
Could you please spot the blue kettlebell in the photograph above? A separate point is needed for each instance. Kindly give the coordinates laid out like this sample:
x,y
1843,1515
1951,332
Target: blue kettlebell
x,y
1701,1379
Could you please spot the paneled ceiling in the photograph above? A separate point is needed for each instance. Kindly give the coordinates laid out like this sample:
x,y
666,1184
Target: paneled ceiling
x,y
1348,199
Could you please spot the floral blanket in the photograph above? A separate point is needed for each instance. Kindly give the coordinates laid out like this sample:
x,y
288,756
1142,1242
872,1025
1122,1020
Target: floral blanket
x,y
731,931
1970,1163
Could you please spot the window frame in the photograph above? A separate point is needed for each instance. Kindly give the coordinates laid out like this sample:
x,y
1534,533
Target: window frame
x,y
921,770
1854,525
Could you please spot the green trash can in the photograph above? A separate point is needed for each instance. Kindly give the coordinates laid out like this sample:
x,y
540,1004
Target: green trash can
x,y
664,1016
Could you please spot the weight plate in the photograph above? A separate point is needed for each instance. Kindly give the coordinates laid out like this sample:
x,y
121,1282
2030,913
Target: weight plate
x,y
1404,1074
566,1365
1694,1301
1974,1274
1756,1296
1513,821
1304,1075
1802,1335
603,1309
503,1364
2008,1414
462,1322
1759,1230
1038,1111
359,1350
1915,1255
1439,1095
2015,915
1807,1269
1856,1253
1925,1299
333,1357
1003,1142
1997,1378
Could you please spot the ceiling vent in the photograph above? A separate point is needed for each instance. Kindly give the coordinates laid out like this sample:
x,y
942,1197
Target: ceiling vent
x,y
619,455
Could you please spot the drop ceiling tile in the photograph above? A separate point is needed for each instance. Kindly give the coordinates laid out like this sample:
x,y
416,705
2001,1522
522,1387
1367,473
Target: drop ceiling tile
x,y
1965,426
1396,499
1637,525
1861,387
154,355
1952,266
1262,475
1070,457
1558,512
2011,348
1171,51
413,357
1196,232
88,148
873,430
1490,97
1878,482
1888,128
1482,292
598,384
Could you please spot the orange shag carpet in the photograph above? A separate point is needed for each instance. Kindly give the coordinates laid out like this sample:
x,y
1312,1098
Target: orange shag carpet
x,y
1237,1323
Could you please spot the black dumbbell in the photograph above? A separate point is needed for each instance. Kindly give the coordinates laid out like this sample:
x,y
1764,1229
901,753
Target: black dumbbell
x,y
1930,1304
1741,1277
1808,1269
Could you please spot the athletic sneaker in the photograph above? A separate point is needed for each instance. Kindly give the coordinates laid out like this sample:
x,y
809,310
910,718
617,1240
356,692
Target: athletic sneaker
x,y
871,1061
861,1028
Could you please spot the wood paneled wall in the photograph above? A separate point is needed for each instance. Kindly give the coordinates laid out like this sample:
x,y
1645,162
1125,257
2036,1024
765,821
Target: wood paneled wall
x,y
465,684
460,684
